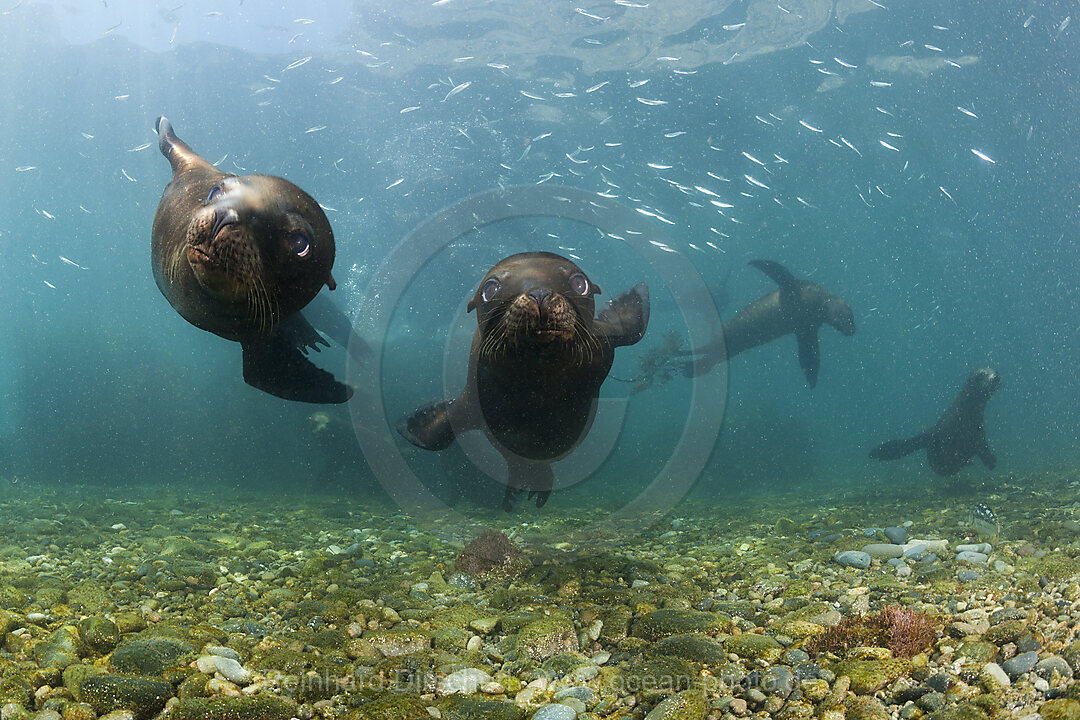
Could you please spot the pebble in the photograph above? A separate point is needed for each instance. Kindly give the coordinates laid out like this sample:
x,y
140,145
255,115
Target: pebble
x,y
1046,668
883,550
557,711
984,548
915,551
465,681
1020,664
222,652
994,677
582,693
232,670
897,535
966,576
903,571
972,557
853,558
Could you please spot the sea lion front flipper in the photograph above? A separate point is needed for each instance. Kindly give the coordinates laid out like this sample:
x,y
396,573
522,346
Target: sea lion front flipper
x,y
780,275
181,157
435,425
277,366
986,455
524,475
624,320
895,449
324,314
809,355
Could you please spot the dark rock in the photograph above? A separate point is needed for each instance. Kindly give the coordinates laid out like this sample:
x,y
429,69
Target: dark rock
x,y
1020,664
777,680
938,683
896,535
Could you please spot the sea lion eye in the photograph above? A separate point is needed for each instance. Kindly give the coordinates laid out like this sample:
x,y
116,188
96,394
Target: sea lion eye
x,y
214,192
579,284
491,287
299,244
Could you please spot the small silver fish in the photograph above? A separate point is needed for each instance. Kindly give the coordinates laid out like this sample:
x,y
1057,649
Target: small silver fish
x,y
456,89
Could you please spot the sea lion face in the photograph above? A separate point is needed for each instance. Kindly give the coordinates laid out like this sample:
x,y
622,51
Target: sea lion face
x,y
839,314
538,300
261,242
982,383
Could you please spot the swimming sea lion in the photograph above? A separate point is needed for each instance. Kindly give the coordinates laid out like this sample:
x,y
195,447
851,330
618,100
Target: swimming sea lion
x,y
799,307
537,361
240,256
958,435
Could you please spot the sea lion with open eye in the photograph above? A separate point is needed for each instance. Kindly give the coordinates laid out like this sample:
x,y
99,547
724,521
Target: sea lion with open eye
x,y
798,307
958,435
240,256
537,362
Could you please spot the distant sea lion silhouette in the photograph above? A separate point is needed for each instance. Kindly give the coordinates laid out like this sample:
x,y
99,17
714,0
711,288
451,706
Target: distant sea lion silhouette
x,y
537,362
240,256
958,435
798,307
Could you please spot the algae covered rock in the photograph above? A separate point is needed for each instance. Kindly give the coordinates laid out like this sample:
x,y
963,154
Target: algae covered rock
x,y
250,707
1060,709
59,649
695,648
16,689
386,706
660,624
105,693
869,676
540,639
657,678
151,656
686,705
754,646
456,707
99,634
399,641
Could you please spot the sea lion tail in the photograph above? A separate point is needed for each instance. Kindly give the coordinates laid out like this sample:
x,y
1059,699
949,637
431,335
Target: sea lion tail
x,y
429,427
178,153
895,449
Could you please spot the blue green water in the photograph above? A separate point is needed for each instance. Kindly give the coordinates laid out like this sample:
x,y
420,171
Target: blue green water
x,y
949,260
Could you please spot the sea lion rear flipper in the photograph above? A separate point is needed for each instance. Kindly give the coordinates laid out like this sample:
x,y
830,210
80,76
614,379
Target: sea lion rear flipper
x,y
624,320
809,355
527,475
324,314
179,154
895,449
277,366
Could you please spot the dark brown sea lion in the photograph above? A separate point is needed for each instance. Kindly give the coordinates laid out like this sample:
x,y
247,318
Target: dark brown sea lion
x,y
798,307
958,435
537,361
240,256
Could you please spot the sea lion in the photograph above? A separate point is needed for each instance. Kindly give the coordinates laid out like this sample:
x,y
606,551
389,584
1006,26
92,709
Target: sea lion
x,y
537,361
240,256
798,307
958,435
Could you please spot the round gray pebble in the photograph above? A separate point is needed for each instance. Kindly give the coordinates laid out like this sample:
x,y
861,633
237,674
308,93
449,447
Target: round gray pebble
x,y
853,558
555,712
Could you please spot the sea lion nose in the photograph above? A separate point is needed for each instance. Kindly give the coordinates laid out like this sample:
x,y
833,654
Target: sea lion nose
x,y
223,218
539,295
